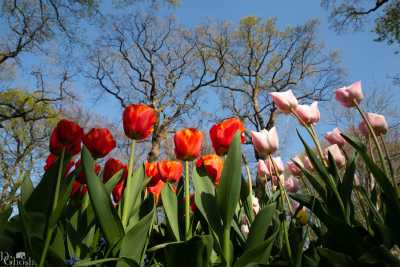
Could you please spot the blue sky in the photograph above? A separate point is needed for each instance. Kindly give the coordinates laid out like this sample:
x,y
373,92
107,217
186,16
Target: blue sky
x,y
364,59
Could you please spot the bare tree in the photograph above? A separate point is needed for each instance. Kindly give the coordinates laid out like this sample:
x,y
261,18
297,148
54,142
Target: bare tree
x,y
263,59
157,62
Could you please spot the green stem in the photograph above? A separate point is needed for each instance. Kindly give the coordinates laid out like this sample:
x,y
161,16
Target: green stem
x,y
371,130
187,201
388,160
128,198
49,230
226,246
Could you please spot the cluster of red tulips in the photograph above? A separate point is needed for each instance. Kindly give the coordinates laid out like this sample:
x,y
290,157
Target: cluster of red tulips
x,y
138,122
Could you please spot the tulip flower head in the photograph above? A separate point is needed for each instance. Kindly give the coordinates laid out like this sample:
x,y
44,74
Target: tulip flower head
x,y
255,204
56,146
265,142
99,141
188,143
378,124
68,132
284,101
292,184
335,137
266,169
111,167
293,168
337,155
308,114
307,164
212,166
138,121
170,171
302,216
348,95
244,228
222,134
118,190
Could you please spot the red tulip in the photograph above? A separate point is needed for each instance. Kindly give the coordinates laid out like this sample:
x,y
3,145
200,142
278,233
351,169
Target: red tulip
x,y
222,134
56,146
212,165
118,190
151,169
68,132
188,143
81,178
99,141
284,101
113,166
155,188
170,171
50,161
76,186
84,190
378,124
193,206
138,120
349,94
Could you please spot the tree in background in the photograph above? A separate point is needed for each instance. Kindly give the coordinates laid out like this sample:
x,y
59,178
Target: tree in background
x,y
26,119
155,61
262,59
345,15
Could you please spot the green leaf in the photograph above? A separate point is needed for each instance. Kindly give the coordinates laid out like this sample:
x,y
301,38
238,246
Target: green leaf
x,y
170,204
260,226
228,191
26,189
137,185
206,202
196,252
346,186
334,259
247,200
97,262
318,184
113,181
101,202
134,243
259,253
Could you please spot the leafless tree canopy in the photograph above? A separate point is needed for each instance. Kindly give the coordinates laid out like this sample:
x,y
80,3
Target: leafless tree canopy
x,y
263,59
157,62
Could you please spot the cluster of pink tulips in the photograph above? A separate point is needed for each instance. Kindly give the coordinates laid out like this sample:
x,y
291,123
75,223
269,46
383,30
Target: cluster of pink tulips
x,y
266,142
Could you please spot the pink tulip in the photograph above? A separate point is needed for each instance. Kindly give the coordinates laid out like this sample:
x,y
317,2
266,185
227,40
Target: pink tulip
x,y
292,167
285,101
244,228
378,123
256,205
334,137
337,155
266,169
349,94
292,184
265,142
357,181
308,114
307,164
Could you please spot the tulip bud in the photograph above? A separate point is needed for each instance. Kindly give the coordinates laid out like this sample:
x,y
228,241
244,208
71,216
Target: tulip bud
x,y
68,132
307,164
378,124
292,184
256,204
138,121
244,228
292,167
222,134
118,190
170,171
302,216
350,94
265,142
334,137
337,155
113,166
188,143
212,165
265,168
285,101
99,141
308,114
